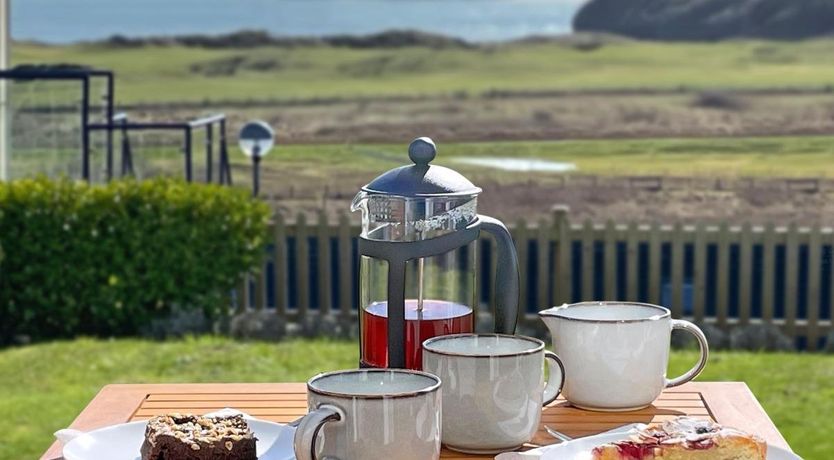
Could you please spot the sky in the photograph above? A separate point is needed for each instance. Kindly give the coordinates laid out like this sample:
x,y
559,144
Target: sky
x,y
63,21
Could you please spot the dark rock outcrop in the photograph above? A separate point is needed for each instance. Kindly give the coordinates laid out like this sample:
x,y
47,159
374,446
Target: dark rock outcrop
x,y
700,20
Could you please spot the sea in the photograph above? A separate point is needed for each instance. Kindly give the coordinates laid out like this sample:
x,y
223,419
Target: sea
x,y
67,21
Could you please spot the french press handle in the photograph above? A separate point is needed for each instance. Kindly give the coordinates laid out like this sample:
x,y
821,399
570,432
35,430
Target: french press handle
x,y
506,276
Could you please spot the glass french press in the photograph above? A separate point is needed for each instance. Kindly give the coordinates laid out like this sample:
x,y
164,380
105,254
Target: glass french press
x,y
417,250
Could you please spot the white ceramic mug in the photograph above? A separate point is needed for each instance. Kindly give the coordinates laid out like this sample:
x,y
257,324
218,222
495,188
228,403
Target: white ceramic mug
x,y
371,413
616,353
493,388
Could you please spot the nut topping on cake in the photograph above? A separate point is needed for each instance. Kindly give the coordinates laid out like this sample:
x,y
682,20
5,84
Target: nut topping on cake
x,y
194,437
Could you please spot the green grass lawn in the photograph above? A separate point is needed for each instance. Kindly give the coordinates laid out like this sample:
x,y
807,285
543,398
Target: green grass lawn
x,y
154,74
45,386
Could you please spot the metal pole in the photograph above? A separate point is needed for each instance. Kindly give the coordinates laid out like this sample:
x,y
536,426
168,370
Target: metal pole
x,y
188,154
85,132
209,153
5,54
225,175
109,116
256,171
127,155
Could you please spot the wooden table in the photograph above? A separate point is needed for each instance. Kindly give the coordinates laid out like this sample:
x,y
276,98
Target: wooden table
x,y
729,403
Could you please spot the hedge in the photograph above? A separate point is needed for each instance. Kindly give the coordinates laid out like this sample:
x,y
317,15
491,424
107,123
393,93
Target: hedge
x,y
105,260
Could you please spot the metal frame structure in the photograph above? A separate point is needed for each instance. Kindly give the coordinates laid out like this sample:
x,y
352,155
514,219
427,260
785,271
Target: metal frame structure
x,y
83,76
120,123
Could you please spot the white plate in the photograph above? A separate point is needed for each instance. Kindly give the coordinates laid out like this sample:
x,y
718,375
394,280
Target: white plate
x,y
122,442
580,449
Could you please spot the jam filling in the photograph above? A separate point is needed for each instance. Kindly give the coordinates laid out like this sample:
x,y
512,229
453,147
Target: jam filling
x,y
635,451
643,446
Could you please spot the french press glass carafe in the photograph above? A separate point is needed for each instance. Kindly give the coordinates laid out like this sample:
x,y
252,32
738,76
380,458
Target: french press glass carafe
x,y
417,250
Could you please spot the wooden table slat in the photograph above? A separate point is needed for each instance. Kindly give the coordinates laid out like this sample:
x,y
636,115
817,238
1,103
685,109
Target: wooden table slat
x,y
668,396
230,397
302,403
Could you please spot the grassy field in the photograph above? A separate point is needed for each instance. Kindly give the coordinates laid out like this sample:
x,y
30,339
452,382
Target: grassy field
x,y
346,164
156,74
730,157
45,386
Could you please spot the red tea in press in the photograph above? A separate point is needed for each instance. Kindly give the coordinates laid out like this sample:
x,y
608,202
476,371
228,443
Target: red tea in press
x,y
438,317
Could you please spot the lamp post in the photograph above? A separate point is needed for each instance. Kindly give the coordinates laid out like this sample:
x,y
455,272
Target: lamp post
x,y
256,139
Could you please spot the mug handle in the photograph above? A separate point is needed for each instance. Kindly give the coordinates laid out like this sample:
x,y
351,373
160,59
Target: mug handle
x,y
304,442
702,345
553,387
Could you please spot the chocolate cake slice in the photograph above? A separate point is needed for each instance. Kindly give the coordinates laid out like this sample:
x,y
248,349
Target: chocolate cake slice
x,y
194,437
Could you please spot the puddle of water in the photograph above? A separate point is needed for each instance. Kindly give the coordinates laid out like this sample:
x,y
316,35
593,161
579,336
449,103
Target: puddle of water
x,y
518,164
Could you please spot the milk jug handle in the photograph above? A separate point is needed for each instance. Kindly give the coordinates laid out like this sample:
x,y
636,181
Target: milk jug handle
x,y
703,348
506,276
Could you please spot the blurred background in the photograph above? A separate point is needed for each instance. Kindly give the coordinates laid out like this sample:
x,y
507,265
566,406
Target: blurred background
x,y
725,101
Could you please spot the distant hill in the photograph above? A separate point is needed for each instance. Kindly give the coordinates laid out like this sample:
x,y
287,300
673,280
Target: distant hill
x,y
257,38
701,20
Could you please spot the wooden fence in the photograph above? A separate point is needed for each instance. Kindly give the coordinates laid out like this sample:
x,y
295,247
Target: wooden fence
x,y
723,274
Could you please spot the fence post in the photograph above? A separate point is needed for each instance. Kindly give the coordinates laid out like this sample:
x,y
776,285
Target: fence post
x,y
677,271
260,288
745,273
302,265
324,264
699,284
723,274
655,249
791,275
814,273
564,251
543,265
280,264
588,261
243,294
610,260
345,265
768,273
632,262
260,283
